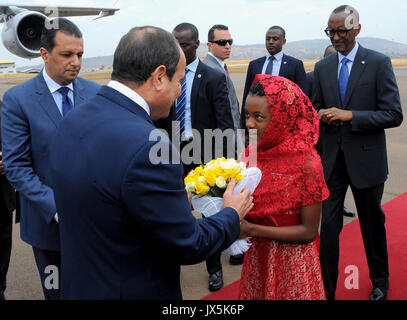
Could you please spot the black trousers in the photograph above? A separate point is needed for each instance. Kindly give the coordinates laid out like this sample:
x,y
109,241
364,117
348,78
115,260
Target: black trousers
x,y
6,227
372,225
49,268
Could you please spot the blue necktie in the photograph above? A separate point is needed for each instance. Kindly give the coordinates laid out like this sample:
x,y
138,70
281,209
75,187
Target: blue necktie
x,y
269,69
180,106
66,102
343,79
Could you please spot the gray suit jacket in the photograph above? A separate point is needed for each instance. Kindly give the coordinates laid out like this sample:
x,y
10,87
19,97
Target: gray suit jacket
x,y
234,102
373,96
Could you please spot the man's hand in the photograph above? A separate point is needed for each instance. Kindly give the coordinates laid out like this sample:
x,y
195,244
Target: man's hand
x,y
242,202
335,116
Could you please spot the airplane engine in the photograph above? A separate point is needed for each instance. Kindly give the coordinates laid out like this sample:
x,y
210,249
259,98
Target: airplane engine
x,y
22,33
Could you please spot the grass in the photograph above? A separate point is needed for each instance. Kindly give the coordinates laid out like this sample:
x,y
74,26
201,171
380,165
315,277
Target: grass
x,y
234,66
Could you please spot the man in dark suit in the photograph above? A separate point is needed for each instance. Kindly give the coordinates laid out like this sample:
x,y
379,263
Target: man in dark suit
x,y
310,78
7,206
125,220
356,95
31,114
207,108
219,49
275,63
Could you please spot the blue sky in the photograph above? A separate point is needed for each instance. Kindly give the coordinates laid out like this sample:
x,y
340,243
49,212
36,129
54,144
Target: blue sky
x,y
248,20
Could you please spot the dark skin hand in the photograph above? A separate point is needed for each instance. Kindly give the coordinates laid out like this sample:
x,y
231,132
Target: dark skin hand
x,y
335,116
305,232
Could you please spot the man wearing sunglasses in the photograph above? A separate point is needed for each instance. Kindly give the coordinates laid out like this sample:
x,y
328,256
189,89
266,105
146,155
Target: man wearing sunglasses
x,y
219,49
356,95
275,63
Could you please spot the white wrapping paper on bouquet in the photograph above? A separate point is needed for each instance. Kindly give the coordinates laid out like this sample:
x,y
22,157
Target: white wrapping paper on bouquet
x,y
208,205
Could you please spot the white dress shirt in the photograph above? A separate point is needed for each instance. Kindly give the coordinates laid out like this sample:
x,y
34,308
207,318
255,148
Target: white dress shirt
x,y
351,57
278,59
222,63
129,93
190,76
54,87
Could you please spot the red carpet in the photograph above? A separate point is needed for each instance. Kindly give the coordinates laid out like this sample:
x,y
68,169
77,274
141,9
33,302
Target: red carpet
x,y
352,255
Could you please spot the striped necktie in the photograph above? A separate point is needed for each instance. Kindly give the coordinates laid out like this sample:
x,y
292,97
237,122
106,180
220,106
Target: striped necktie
x,y
66,102
180,106
343,79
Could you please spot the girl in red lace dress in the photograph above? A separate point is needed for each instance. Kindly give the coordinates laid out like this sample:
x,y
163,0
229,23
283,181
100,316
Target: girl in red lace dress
x,y
283,261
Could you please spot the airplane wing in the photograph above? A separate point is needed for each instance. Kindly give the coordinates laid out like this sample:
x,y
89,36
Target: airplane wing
x,y
57,11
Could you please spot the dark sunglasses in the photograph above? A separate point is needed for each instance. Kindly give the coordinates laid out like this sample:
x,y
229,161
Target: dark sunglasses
x,y
341,32
222,42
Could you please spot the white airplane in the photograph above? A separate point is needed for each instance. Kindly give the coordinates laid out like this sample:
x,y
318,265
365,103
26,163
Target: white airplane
x,y
23,24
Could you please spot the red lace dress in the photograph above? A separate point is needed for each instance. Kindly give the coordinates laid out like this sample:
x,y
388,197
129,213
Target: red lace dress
x,y
292,178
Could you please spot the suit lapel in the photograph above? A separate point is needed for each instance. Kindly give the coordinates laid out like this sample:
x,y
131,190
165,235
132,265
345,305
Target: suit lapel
x,y
199,75
78,93
358,68
284,66
46,100
259,66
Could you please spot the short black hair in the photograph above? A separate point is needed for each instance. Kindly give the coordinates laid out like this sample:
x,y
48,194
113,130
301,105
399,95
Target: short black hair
x,y
141,51
185,26
278,28
211,32
58,24
257,89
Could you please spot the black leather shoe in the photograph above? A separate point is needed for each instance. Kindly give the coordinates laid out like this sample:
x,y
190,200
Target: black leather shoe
x,y
236,259
348,213
378,294
216,281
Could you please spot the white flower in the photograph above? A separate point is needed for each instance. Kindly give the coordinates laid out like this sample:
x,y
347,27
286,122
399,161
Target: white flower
x,y
229,164
201,179
190,186
241,167
221,182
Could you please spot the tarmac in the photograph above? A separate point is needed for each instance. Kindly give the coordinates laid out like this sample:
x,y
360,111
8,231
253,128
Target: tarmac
x,y
23,282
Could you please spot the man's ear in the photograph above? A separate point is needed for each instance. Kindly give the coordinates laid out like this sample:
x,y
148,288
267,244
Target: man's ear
x,y
285,41
358,29
159,76
44,54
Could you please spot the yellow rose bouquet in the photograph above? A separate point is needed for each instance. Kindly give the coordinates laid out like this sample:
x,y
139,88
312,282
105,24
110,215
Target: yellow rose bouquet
x,y
213,178
207,183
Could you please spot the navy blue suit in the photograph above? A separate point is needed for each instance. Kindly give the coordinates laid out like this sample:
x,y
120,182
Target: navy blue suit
x,y
30,118
354,154
291,68
126,224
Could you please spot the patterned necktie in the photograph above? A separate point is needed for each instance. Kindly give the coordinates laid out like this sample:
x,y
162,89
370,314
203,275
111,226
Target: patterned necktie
x,y
226,69
269,69
66,102
343,79
180,106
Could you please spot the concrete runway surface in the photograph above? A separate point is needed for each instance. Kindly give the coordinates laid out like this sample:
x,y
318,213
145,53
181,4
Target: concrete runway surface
x,y
23,278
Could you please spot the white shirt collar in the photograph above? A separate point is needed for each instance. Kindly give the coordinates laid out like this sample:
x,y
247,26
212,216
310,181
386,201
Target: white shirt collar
x,y
51,84
277,57
129,93
351,56
222,63
193,65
